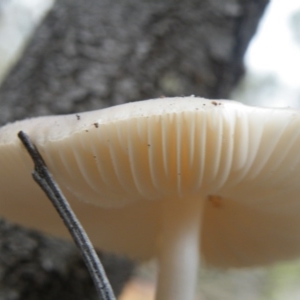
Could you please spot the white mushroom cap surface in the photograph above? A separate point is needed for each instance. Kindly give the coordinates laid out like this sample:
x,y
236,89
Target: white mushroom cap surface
x,y
123,167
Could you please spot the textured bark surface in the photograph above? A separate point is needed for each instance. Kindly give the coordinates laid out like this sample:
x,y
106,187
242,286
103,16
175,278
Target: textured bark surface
x,y
96,53
33,266
91,54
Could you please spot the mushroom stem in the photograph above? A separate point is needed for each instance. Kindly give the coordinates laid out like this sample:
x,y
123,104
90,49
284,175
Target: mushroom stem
x,y
179,253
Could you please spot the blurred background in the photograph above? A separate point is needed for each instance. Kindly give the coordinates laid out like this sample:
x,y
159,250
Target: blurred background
x,y
270,76
273,59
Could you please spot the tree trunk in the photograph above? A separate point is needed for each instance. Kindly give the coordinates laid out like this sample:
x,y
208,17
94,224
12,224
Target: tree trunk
x,y
95,53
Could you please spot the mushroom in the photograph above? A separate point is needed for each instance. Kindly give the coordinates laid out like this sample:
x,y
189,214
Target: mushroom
x,y
183,179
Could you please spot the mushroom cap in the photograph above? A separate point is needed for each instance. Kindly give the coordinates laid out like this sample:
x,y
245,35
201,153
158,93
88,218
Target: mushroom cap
x,y
243,161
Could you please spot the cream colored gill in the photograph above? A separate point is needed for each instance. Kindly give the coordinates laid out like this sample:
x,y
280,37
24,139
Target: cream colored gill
x,y
164,147
242,162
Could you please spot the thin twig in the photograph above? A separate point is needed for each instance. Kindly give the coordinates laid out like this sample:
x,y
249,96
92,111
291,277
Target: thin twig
x,y
45,180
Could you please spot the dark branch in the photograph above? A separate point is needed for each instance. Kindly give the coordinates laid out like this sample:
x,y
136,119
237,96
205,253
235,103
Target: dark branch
x,y
44,179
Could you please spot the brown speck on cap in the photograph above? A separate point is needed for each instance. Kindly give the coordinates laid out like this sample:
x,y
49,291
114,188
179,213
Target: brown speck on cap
x,y
214,103
78,117
216,201
96,125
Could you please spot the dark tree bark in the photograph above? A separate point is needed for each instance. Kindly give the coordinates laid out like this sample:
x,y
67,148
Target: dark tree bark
x,y
95,53
35,267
